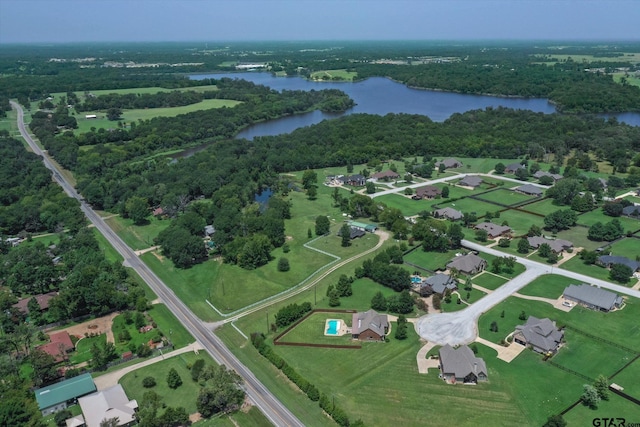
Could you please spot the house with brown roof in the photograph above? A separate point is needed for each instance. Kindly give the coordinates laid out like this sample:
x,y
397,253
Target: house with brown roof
x,y
60,344
468,264
460,365
369,325
541,335
42,300
387,175
513,167
427,192
449,163
493,230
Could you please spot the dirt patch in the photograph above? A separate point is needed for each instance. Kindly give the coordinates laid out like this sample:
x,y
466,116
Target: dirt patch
x,y
157,255
101,325
194,418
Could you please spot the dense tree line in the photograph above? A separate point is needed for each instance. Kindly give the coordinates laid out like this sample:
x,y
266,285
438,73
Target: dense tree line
x,y
290,313
144,100
381,270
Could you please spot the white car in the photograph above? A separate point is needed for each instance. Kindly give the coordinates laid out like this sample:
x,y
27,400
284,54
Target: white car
x,y
567,304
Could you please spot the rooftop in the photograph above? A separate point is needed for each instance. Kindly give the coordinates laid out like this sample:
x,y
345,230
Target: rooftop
x,y
64,390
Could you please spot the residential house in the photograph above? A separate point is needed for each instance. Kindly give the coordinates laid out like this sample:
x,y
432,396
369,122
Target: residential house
x,y
530,190
209,230
448,213
369,228
557,245
356,180
427,192
541,334
41,299
60,344
438,284
449,163
460,365
57,397
609,260
468,264
556,177
593,297
632,211
387,175
354,233
159,211
472,181
369,325
108,404
513,167
493,230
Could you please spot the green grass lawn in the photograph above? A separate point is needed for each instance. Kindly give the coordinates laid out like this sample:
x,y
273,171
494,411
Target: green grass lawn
x,y
578,236
603,359
469,205
109,252
505,196
137,236
128,116
329,75
83,348
474,295
251,418
184,396
628,247
547,286
119,325
615,407
597,215
312,329
481,164
575,264
407,205
363,291
519,221
136,90
543,207
169,325
430,260
628,379
489,280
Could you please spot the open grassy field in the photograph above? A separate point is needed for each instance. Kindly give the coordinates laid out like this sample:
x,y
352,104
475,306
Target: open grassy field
x,y
615,407
631,57
543,207
489,280
407,205
109,252
505,196
468,205
628,247
430,260
628,379
575,264
137,236
519,221
128,116
136,90
245,418
547,286
363,291
184,396
341,74
631,80
597,215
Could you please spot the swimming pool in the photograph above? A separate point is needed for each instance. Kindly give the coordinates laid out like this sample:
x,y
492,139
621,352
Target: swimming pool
x,y
334,326
416,279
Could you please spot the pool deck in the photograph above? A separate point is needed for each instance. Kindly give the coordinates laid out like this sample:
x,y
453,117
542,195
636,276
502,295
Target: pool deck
x,y
342,330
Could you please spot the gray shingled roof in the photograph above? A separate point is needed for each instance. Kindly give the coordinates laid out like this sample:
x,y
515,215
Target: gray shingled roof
x,y
461,361
471,181
557,245
449,213
493,229
631,210
530,189
369,320
541,333
440,282
613,259
593,296
106,404
467,263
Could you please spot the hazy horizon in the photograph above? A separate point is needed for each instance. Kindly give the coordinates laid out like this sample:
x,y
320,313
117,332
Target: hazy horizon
x,y
188,21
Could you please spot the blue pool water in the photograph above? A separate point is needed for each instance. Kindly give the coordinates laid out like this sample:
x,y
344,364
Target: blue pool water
x,y
416,280
333,327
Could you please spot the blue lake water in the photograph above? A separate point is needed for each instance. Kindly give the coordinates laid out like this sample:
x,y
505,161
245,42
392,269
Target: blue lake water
x,y
375,95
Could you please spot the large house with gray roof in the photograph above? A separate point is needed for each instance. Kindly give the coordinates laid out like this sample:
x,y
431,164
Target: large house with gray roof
x,y
369,325
449,163
468,264
609,260
448,213
108,404
593,297
460,365
541,335
493,230
472,181
530,190
438,284
557,245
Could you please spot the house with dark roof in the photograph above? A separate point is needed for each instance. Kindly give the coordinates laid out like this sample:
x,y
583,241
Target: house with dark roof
x,y
460,365
449,163
60,344
541,335
493,230
513,167
609,260
356,180
632,211
387,175
448,213
593,297
472,181
438,284
108,404
427,192
468,264
354,232
539,174
369,325
41,299
530,190
557,245
57,397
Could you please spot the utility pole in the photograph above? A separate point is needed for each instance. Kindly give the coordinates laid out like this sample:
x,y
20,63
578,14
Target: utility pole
x,y
267,322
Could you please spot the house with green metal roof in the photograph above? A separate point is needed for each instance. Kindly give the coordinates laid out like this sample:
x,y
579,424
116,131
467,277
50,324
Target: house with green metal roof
x,y
58,396
363,226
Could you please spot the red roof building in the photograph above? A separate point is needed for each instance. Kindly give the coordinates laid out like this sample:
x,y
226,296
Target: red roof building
x,y
60,345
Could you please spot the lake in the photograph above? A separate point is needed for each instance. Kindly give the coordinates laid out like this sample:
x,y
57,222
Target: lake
x,y
379,95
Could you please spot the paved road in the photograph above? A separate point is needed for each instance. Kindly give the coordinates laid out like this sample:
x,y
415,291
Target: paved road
x,y
461,327
273,409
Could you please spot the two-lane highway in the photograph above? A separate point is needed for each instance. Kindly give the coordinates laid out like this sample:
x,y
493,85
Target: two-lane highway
x,y
273,409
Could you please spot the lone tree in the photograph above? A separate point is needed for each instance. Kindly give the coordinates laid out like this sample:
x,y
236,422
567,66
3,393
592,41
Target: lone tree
x,y
523,246
555,421
173,379
494,326
114,114
283,264
590,396
322,225
345,233
499,168
601,385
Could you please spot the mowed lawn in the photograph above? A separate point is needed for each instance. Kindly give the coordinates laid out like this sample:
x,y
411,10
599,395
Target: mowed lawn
x,y
597,215
184,396
430,260
128,116
547,286
489,280
615,407
137,236
311,330
519,221
505,196
407,205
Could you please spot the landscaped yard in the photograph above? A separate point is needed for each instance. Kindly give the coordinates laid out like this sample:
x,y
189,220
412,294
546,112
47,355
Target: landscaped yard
x,y
615,407
505,196
474,295
83,348
407,205
597,215
430,260
543,207
489,280
312,329
519,221
547,286
137,236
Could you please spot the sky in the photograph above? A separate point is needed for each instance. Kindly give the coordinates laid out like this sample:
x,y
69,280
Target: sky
x,y
63,21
